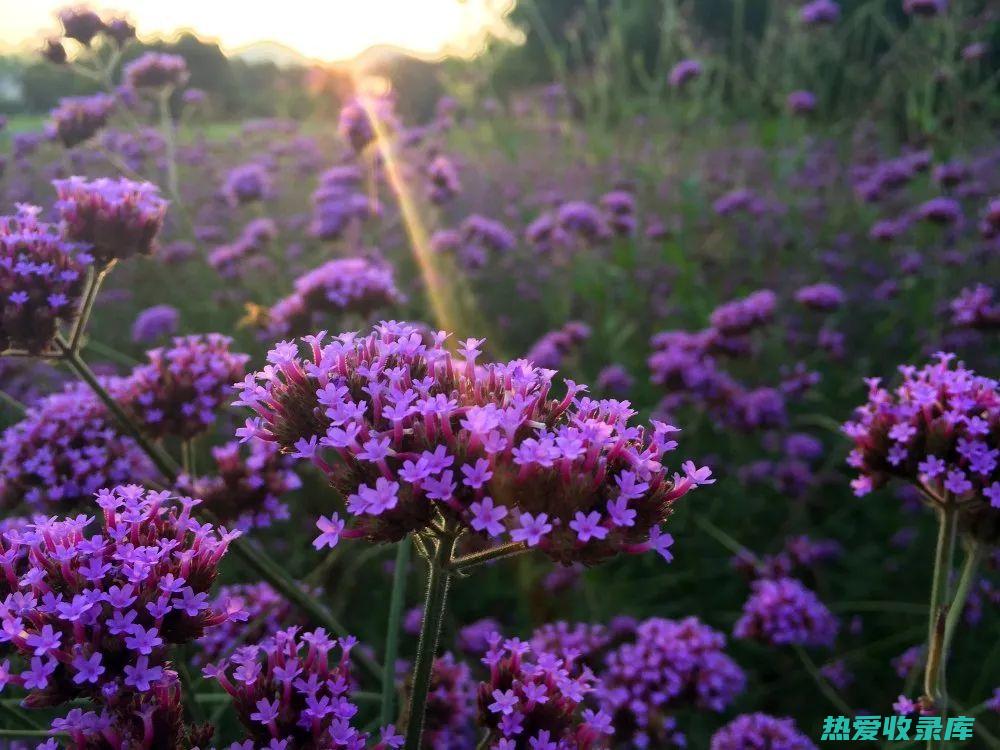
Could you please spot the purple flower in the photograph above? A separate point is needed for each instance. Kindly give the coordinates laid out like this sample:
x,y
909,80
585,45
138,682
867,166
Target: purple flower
x,y
116,219
181,389
155,323
683,72
783,611
156,70
79,118
554,457
38,268
760,730
338,287
66,448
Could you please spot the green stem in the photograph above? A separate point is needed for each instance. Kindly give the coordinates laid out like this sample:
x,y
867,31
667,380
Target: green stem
x,y
933,669
167,128
465,562
973,556
162,462
396,600
821,682
438,582
19,408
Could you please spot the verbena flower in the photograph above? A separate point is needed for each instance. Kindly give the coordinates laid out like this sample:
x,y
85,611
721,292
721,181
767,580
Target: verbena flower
x,y
66,448
95,616
80,23
293,688
743,315
339,202
155,323
355,286
783,611
821,297
615,380
264,613
181,389
684,72
404,430
552,349
246,491
974,308
120,30
355,124
54,51
78,118
761,731
619,208
801,102
247,183
666,666
443,180
156,71
246,254
116,218
42,276
936,430
449,719
818,12
534,701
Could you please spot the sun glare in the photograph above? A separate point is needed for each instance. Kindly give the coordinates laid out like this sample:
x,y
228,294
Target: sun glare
x,y
334,31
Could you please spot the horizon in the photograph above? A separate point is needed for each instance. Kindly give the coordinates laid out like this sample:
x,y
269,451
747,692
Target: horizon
x,y
430,29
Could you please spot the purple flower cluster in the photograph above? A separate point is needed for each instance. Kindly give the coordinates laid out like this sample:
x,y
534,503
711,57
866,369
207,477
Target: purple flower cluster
x,y
292,692
41,279
449,719
245,491
247,252
180,390
156,71
685,364
477,240
80,23
355,286
247,183
339,202
417,432
819,12
78,118
442,179
155,323
801,102
937,430
533,701
115,218
66,448
95,616
669,664
974,308
684,72
782,611
743,315
552,349
263,613
615,380
355,124
760,731
820,297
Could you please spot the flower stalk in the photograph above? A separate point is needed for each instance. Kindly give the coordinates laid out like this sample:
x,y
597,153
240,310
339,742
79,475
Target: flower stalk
x,y
435,600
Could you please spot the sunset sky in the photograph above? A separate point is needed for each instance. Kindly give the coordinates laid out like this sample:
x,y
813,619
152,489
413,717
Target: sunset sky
x,y
330,31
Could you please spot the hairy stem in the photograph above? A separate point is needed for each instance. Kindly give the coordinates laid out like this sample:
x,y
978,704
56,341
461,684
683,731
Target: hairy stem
x,y
465,562
945,550
438,582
